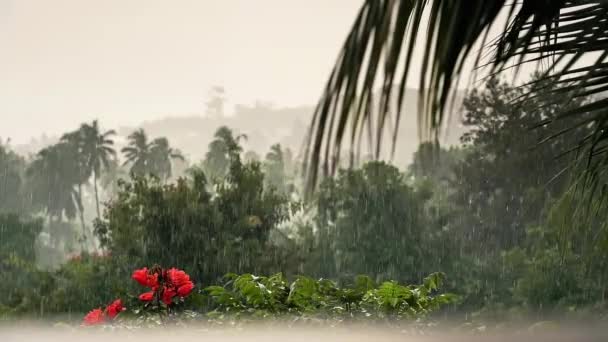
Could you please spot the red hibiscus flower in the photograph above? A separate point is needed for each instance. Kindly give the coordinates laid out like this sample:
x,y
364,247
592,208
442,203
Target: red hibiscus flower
x,y
177,277
185,289
143,277
146,297
114,309
94,317
181,281
153,281
168,294
168,283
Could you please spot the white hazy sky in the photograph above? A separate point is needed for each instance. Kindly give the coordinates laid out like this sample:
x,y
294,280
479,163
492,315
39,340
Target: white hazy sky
x,y
125,61
63,62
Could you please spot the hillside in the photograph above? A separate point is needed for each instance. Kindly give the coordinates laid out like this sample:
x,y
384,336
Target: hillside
x,y
264,125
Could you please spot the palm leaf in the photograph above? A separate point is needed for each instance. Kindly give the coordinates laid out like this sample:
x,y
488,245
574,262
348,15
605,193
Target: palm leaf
x,y
176,154
378,53
579,30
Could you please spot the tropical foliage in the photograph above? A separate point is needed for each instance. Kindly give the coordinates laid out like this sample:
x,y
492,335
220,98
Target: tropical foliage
x,y
372,212
565,38
182,224
150,158
247,297
224,147
507,226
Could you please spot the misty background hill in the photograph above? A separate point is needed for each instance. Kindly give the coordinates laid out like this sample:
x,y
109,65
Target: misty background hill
x,y
264,124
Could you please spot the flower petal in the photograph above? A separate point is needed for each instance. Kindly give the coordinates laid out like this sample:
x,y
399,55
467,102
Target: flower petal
x,y
185,289
147,296
95,316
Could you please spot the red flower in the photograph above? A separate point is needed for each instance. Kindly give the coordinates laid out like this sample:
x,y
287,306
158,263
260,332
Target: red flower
x,y
168,294
94,317
185,289
146,297
115,308
153,281
174,282
177,277
143,277
181,281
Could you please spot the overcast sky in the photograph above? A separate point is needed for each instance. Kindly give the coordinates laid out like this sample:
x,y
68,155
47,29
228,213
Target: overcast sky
x,y
63,62
124,61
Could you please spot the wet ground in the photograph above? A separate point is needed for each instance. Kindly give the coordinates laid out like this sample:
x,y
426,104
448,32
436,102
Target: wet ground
x,y
25,332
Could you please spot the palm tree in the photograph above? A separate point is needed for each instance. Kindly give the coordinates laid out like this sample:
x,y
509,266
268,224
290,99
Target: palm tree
x,y
231,144
138,153
73,145
11,182
222,149
274,168
378,51
52,177
98,150
161,156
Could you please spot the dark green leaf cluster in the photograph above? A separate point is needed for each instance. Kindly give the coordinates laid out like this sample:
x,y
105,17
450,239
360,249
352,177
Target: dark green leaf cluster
x,y
184,224
251,297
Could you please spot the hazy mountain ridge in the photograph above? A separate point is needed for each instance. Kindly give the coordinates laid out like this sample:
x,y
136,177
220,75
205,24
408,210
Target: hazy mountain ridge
x,y
264,125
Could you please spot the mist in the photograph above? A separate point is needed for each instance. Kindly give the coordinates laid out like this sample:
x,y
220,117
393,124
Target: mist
x,y
126,63
422,170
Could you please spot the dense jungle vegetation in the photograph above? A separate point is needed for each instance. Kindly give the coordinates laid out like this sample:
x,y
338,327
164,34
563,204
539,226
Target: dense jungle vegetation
x,y
507,226
495,221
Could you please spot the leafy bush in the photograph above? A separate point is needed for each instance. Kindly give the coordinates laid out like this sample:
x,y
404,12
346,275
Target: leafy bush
x,y
18,237
185,224
24,287
84,282
251,297
370,221
247,297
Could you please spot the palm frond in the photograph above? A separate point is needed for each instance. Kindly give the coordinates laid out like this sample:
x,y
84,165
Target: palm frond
x,y
108,134
176,154
578,63
373,55
128,149
378,55
108,151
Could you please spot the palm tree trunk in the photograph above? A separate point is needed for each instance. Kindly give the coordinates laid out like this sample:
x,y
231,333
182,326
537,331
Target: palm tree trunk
x,y
81,215
88,236
96,194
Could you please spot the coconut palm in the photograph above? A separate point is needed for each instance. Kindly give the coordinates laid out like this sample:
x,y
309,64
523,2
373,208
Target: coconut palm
x,y
12,185
52,177
274,168
138,153
378,52
98,149
161,155
222,149
73,145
